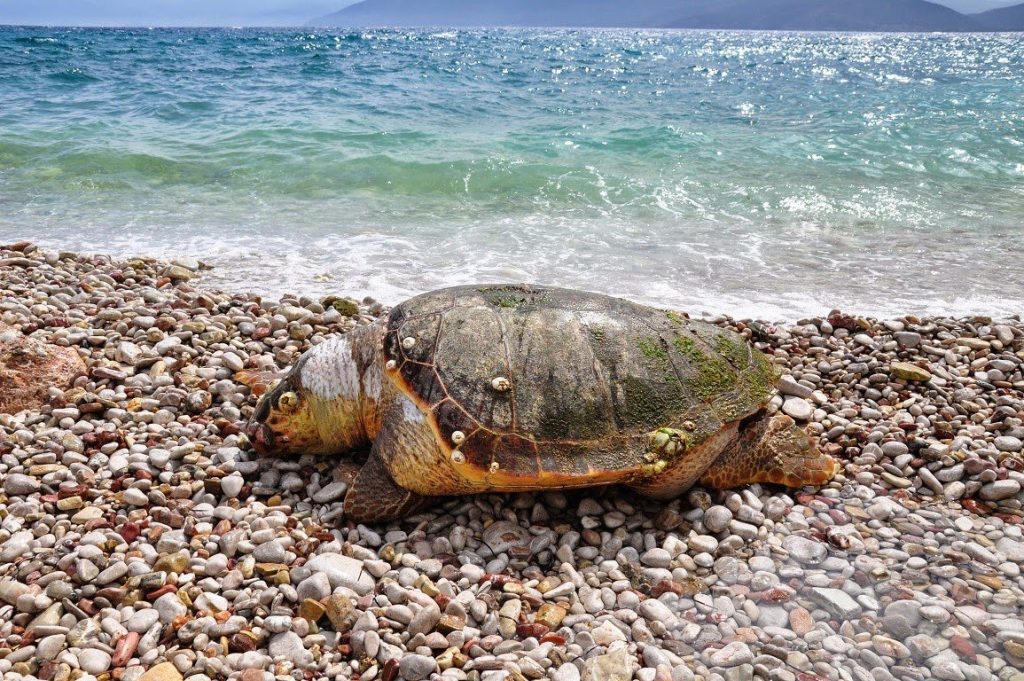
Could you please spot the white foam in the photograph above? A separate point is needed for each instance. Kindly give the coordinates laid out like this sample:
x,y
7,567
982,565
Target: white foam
x,y
791,263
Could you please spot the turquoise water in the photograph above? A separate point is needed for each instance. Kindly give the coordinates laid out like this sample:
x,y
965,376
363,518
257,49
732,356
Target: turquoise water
x,y
770,174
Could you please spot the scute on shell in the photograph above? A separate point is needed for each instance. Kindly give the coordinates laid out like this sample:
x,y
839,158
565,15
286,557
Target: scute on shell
x,y
586,375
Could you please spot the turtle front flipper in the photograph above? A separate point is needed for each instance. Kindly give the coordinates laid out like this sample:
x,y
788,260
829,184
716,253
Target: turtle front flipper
x,y
772,450
375,496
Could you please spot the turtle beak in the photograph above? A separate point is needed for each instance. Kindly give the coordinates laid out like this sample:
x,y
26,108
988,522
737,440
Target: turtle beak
x,y
260,435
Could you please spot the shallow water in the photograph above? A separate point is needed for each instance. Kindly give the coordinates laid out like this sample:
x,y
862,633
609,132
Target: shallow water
x,y
775,175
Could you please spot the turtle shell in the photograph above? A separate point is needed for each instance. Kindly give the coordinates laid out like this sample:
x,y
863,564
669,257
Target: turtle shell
x,y
536,380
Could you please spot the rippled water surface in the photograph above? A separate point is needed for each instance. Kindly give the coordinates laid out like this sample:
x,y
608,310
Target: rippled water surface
x,y
767,174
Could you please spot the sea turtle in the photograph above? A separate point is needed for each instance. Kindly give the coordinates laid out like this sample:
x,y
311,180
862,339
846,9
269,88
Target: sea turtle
x,y
513,387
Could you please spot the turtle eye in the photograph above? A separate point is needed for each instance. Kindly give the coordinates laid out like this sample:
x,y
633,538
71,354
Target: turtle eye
x,y
288,402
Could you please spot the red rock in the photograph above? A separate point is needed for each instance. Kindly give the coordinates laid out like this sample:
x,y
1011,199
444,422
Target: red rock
x,y
531,629
963,647
252,675
776,595
157,593
390,671
125,648
29,367
800,621
130,532
665,586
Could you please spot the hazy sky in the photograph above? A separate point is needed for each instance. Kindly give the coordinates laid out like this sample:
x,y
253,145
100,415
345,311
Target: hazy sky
x,y
165,12
222,12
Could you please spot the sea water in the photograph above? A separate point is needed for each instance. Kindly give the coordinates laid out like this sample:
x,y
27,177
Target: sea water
x,y
774,175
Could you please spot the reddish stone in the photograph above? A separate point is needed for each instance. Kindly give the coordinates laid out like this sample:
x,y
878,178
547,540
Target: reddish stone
x,y
963,647
114,594
806,676
800,621
47,671
242,643
776,595
501,580
975,506
531,629
29,368
157,593
76,491
390,671
665,586
553,638
125,648
130,532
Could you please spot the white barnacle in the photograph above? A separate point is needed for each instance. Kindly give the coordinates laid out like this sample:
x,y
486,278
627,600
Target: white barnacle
x,y
458,457
690,425
330,371
501,384
408,342
391,365
458,437
494,467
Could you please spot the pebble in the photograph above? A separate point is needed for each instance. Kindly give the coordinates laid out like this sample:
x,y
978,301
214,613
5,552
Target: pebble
x,y
839,603
1008,443
1000,489
566,672
503,535
331,492
805,550
416,667
717,518
19,485
94,661
342,571
799,408
232,485
656,557
289,646
731,655
142,620
165,671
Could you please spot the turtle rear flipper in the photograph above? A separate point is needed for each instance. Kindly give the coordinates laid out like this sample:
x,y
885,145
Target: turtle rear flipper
x,y
374,495
771,450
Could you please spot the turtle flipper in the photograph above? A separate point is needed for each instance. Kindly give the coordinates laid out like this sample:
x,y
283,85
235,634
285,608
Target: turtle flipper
x,y
374,495
773,450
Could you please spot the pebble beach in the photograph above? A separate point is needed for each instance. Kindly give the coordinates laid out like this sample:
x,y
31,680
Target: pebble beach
x,y
142,539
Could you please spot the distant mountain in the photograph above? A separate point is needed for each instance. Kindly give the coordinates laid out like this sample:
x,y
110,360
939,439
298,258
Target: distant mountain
x,y
502,13
975,6
807,15
1004,19
824,15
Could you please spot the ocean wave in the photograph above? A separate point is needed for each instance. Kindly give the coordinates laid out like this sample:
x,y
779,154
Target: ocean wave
x,y
765,174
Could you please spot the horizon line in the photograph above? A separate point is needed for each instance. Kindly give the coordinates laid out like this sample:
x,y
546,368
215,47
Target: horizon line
x,y
150,27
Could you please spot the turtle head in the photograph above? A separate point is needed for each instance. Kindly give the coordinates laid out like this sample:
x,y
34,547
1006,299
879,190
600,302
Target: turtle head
x,y
316,408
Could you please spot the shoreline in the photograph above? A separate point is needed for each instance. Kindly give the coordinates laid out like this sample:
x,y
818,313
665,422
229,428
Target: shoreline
x,y
142,540
209,271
